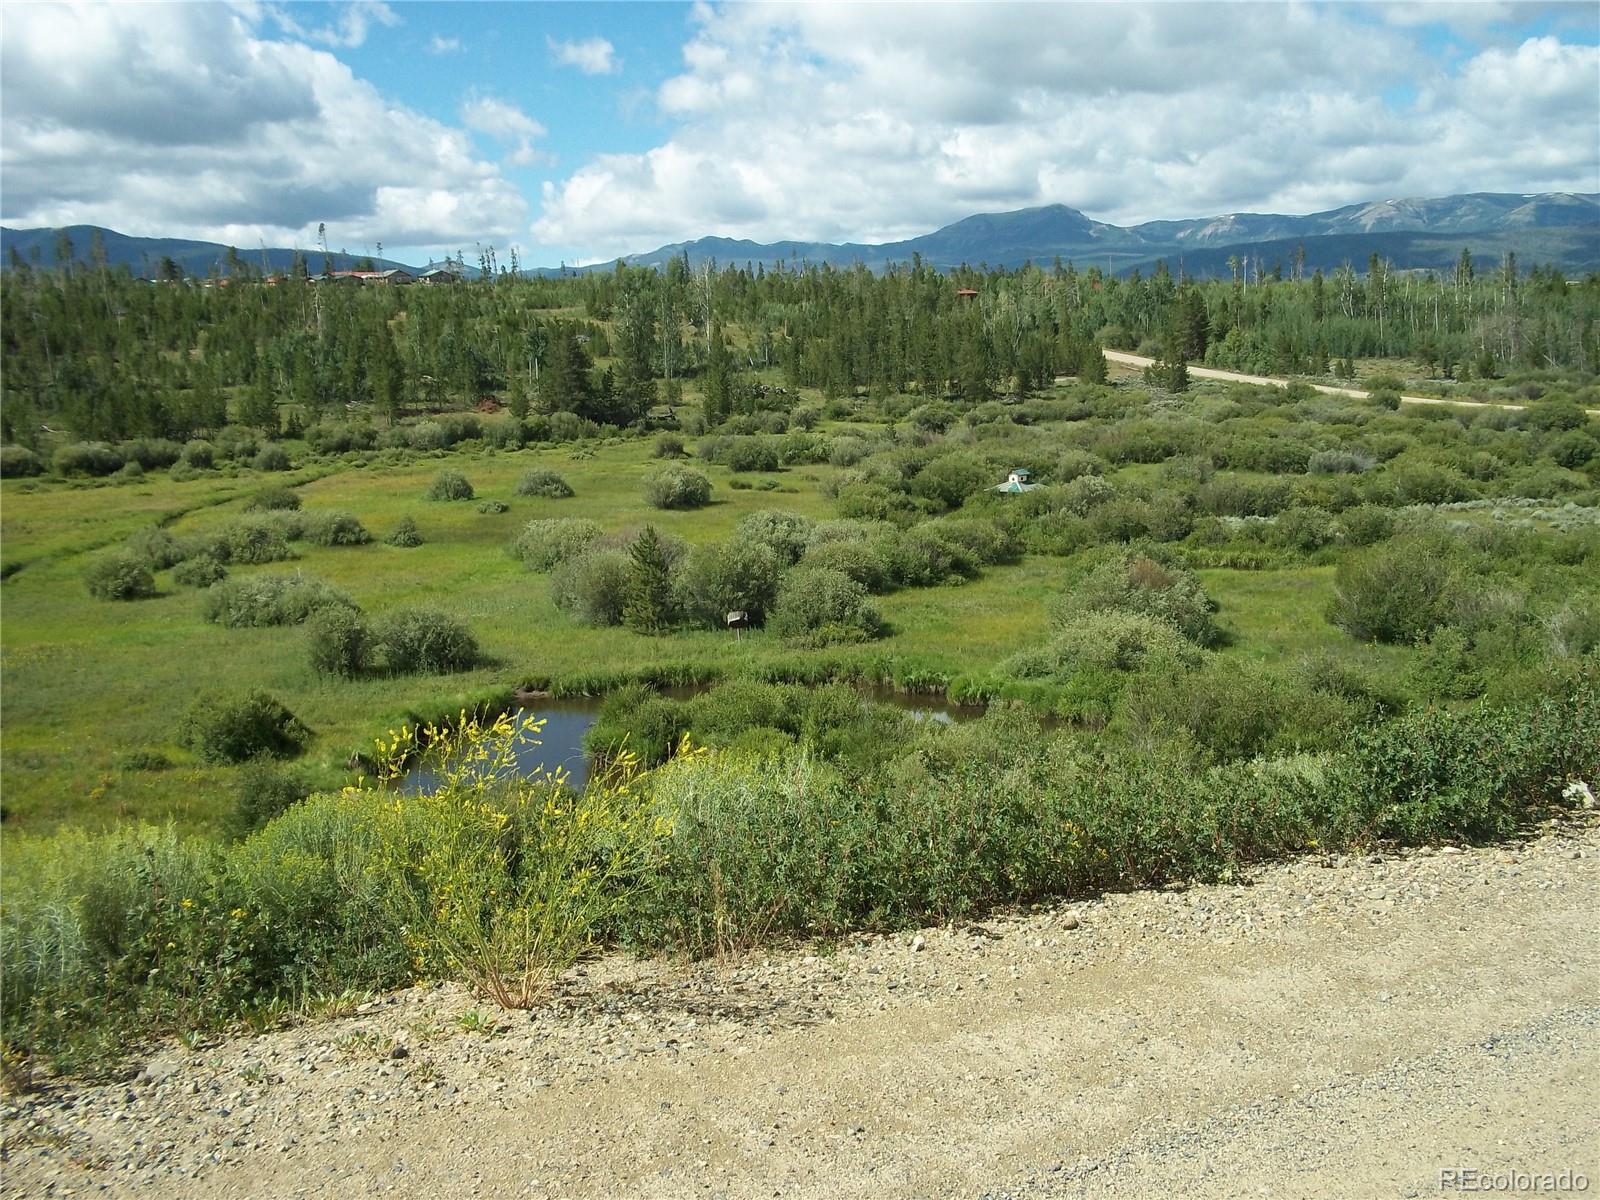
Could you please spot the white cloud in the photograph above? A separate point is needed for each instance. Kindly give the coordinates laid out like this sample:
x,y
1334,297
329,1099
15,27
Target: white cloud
x,y
439,44
489,115
508,124
876,122
355,20
592,56
183,120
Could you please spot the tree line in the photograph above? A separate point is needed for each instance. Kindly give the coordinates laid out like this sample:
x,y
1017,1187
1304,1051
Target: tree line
x,y
95,352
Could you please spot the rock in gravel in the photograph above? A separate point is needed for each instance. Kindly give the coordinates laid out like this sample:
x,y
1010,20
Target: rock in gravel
x,y
1069,920
160,1068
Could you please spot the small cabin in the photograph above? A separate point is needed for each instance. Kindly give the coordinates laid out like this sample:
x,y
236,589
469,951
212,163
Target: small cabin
x,y
1019,480
438,275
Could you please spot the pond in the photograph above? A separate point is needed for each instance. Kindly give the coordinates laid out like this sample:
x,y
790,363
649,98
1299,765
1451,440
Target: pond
x,y
560,745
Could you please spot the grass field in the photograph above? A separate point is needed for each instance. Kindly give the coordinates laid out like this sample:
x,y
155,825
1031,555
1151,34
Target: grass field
x,y
89,683
93,691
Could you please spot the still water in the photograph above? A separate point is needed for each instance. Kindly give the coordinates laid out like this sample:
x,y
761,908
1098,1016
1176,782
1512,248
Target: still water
x,y
559,746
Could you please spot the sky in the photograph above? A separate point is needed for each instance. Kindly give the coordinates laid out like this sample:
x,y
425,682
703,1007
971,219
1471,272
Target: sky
x,y
575,132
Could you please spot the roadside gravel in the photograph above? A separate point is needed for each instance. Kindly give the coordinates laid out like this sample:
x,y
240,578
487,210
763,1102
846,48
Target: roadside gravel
x,y
1333,1026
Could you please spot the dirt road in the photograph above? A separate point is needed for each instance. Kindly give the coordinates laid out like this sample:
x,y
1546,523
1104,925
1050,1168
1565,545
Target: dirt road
x,y
1120,358
1337,1028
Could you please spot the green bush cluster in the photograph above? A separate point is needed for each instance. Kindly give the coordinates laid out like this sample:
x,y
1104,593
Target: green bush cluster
x,y
407,641
201,571
271,458
450,485
258,600
19,462
544,482
592,586
1003,812
120,576
405,533
1398,591
816,606
228,728
545,543
274,499
1148,582
673,486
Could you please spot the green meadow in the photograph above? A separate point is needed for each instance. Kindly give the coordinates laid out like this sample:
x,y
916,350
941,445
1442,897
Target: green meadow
x,y
94,689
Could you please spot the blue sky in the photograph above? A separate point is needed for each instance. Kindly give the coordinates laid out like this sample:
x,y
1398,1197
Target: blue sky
x,y
576,132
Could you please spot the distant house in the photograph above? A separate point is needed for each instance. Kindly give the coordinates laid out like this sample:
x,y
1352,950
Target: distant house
x,y
438,275
1019,480
966,293
392,275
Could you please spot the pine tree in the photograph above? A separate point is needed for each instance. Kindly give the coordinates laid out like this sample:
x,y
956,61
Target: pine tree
x,y
647,603
564,385
387,376
1092,364
257,405
717,388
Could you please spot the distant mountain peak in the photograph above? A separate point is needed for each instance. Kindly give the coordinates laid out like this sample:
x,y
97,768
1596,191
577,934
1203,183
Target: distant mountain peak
x,y
1418,232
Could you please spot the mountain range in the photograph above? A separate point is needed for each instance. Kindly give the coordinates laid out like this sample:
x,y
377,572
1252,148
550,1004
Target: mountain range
x,y
1559,228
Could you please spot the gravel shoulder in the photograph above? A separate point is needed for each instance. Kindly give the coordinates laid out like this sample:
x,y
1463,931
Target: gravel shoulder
x,y
1345,1026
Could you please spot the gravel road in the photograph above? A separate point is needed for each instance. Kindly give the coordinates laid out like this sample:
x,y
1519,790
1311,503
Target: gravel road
x,y
1331,1027
1139,362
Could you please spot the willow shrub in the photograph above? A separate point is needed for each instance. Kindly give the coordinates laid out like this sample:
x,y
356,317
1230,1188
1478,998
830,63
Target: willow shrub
x,y
783,844
1001,812
258,600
